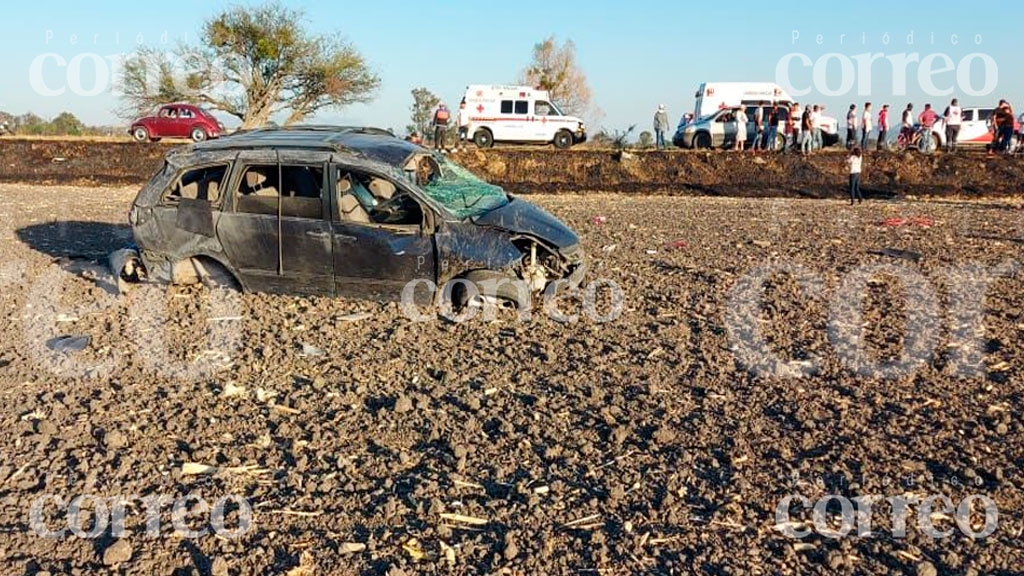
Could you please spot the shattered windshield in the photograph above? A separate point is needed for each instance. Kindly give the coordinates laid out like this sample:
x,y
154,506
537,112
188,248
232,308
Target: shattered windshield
x,y
458,190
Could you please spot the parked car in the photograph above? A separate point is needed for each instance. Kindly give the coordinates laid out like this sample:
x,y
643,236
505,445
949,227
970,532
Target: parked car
x,y
719,129
518,114
177,121
975,129
352,212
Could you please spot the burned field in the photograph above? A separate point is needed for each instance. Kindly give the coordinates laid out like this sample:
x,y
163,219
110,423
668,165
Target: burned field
x,y
762,352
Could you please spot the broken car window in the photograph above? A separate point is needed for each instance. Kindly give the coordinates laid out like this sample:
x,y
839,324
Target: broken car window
x,y
259,190
200,184
457,189
371,199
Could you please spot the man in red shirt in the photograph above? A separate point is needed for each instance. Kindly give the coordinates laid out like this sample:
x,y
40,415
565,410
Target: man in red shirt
x,y
883,128
927,119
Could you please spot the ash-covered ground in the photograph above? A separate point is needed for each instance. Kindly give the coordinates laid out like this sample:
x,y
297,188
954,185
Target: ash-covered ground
x,y
659,442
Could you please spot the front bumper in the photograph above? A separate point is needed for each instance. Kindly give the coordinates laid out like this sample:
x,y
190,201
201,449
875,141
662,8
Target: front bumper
x,y
682,139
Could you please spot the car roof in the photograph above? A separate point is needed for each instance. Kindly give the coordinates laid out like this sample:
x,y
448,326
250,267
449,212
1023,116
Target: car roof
x,y
365,141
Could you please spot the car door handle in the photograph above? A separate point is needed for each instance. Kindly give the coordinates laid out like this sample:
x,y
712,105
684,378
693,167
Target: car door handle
x,y
316,234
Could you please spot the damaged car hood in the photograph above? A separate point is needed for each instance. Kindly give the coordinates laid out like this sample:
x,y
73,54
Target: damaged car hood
x,y
521,217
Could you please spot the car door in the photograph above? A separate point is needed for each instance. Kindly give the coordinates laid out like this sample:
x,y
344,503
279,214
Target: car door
x,y
379,249
723,129
973,128
163,126
177,124
184,125
188,211
544,121
290,253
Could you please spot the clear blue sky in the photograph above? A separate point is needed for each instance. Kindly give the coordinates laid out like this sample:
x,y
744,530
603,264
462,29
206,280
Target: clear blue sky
x,y
636,54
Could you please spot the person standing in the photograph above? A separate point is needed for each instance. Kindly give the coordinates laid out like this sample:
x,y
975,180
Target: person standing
x,y
907,124
772,133
927,120
817,143
462,124
741,129
1003,119
953,117
441,118
660,126
866,126
851,127
807,131
883,128
854,161
758,128
796,114
789,132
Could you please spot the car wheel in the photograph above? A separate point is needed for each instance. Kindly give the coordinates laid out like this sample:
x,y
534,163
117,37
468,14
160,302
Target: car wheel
x,y
563,140
483,139
214,276
140,134
702,141
923,145
505,289
198,134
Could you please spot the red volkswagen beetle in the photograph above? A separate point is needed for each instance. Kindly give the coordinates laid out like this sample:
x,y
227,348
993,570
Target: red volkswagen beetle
x,y
177,121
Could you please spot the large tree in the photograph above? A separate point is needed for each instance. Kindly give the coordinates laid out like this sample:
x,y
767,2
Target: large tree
x,y
554,68
252,63
423,104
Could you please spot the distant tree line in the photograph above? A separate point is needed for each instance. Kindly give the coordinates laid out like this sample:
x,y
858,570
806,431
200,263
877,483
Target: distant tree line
x,y
65,124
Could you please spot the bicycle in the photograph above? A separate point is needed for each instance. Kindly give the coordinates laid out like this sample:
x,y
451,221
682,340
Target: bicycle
x,y
919,137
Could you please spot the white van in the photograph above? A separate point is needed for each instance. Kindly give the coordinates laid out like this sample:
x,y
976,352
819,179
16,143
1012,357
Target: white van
x,y
712,97
519,114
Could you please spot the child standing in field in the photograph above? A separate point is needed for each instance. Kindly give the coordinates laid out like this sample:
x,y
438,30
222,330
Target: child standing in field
x,y
854,162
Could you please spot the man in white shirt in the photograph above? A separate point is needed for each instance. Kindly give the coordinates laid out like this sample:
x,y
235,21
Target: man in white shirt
x,y
866,126
954,117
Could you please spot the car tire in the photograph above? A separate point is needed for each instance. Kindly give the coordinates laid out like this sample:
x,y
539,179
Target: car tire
x,y
702,141
483,138
563,140
215,276
198,134
935,144
140,134
506,291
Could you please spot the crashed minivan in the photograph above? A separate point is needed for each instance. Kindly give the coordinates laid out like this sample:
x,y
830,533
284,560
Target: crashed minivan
x,y
352,212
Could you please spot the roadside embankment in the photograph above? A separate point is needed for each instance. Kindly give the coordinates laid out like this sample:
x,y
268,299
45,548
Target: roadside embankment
x,y
533,170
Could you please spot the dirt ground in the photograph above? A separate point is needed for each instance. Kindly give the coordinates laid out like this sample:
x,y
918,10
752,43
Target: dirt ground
x,y
654,443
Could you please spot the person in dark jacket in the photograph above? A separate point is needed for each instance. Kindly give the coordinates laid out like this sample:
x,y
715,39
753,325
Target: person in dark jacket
x,y
441,119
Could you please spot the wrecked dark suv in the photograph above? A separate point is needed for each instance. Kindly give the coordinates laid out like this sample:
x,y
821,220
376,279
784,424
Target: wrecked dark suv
x,y
350,212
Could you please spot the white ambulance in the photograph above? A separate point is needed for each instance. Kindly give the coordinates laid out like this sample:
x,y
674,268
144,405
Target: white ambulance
x,y
713,97
517,114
